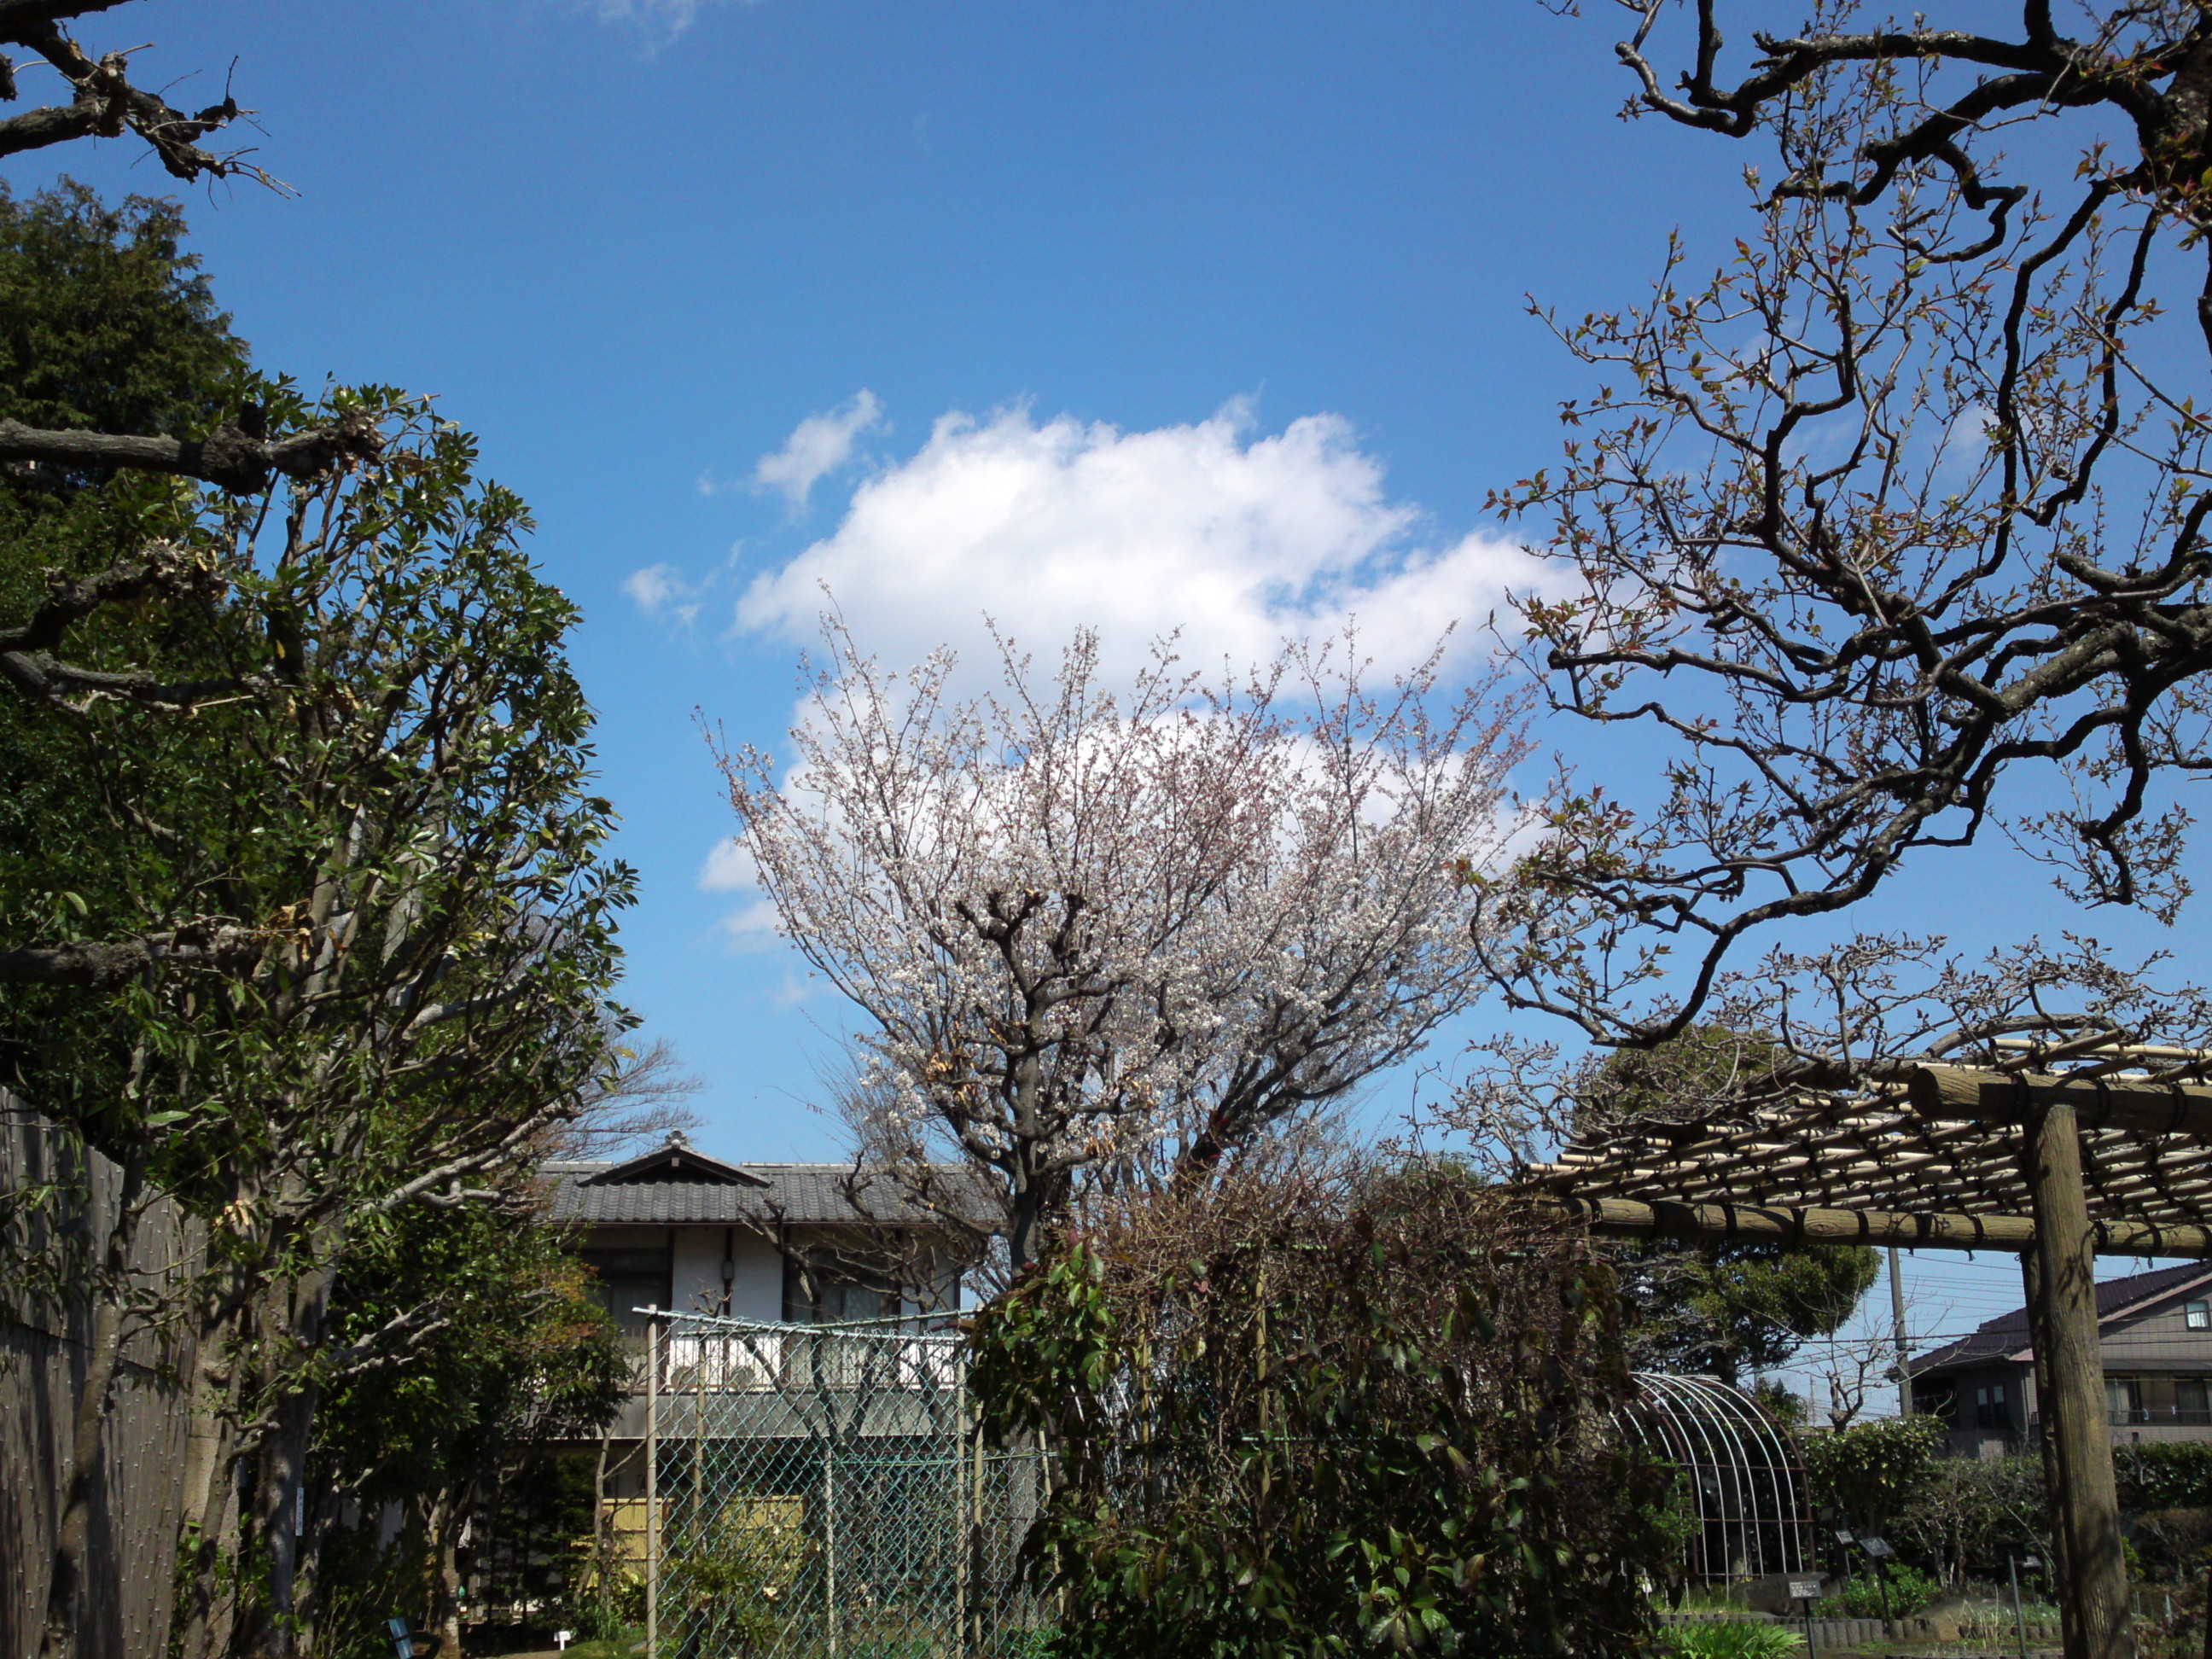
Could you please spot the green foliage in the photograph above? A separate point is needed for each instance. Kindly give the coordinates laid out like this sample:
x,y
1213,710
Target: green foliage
x,y
337,731
1732,1638
523,1356
106,323
1907,1587
725,1587
1869,1472
2164,1474
1310,1418
1726,1310
1968,1512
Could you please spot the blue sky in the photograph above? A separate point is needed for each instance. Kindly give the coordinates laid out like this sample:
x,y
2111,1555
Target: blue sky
x,y
1280,251
744,296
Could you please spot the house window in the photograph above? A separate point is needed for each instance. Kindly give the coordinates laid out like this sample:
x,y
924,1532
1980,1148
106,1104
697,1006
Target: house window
x,y
1989,1410
627,1280
1936,1398
2197,1315
2192,1401
820,1289
2123,1399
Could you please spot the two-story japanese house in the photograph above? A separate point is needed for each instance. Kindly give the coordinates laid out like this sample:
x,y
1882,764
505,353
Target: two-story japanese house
x,y
2156,1330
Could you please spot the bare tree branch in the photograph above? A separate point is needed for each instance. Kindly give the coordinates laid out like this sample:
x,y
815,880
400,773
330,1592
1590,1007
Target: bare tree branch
x,y
1901,507
106,104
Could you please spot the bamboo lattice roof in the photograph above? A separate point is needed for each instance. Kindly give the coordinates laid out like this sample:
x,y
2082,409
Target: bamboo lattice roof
x,y
1877,1153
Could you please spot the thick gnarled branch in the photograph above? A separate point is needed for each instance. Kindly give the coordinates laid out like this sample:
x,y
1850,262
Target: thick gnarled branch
x,y
232,459
105,103
96,964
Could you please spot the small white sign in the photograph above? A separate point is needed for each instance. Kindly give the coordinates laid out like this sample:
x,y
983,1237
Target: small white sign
x,y
1806,1589
562,1637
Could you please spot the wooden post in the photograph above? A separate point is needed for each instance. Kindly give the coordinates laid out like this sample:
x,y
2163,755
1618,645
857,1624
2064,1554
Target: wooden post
x,y
2063,1319
2031,1274
653,1486
1897,1331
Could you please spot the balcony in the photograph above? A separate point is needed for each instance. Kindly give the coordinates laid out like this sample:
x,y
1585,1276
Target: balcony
x,y
775,1361
2163,1417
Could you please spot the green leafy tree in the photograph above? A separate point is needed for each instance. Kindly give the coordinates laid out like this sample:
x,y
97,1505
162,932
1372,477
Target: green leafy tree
x,y
304,916
1730,1309
304,912
521,1357
103,321
1869,1473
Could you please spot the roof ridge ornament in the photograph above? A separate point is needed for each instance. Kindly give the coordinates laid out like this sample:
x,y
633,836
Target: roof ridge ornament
x,y
675,1160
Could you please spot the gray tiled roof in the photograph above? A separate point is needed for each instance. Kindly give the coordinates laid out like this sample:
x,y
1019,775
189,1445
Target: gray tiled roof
x,y
795,1195
2007,1334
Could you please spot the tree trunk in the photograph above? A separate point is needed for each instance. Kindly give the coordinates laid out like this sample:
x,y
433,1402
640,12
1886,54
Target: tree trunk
x,y
294,1313
445,1516
207,1543
73,1530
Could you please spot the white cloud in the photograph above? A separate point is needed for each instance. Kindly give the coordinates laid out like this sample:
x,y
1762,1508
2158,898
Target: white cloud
x,y
817,446
750,927
794,990
661,590
658,20
1236,539
728,869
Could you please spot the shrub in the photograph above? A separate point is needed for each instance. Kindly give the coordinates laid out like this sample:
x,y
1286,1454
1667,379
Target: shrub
x,y
1319,1414
1729,1639
1909,1590
2164,1475
1872,1471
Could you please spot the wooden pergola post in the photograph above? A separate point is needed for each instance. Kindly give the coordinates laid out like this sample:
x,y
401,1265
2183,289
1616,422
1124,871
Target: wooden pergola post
x,y
2062,1315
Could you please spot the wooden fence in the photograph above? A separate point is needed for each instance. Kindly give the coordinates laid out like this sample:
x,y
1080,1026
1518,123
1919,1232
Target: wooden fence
x,y
137,1493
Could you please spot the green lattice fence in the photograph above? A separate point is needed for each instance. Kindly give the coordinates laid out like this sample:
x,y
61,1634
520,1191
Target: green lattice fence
x,y
822,1493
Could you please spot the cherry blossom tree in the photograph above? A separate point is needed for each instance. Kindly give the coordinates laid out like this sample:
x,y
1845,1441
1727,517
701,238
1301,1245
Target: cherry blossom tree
x,y
1115,936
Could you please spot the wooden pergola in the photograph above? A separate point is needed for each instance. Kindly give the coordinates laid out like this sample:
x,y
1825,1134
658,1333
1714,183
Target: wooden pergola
x,y
2058,1168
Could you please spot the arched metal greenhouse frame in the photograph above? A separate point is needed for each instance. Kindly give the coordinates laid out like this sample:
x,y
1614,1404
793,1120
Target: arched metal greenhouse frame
x,y
1754,1513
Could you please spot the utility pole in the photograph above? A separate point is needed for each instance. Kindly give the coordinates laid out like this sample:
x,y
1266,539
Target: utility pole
x,y
1897,1330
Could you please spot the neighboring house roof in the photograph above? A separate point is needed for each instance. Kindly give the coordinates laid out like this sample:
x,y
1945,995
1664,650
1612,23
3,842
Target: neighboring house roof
x,y
675,1185
675,1161
2006,1337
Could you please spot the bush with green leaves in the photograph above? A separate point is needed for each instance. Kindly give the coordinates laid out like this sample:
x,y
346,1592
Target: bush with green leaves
x,y
720,1596
1869,1472
1729,1638
1897,1591
1968,1514
2164,1474
1298,1414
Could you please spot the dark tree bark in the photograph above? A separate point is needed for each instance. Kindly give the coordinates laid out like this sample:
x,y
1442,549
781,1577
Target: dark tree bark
x,y
104,103
65,1575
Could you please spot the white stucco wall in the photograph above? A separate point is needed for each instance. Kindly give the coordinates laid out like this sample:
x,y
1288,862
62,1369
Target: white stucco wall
x,y
696,1282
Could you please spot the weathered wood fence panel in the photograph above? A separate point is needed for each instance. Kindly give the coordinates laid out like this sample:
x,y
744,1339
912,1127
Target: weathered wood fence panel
x,y
136,1496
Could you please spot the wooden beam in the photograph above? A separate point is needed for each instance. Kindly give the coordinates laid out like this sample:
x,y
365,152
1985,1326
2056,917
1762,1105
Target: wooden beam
x,y
1801,1225
2063,1320
1956,1092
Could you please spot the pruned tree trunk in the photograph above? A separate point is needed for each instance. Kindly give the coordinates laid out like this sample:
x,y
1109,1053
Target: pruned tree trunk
x,y
295,1308
445,1516
207,1543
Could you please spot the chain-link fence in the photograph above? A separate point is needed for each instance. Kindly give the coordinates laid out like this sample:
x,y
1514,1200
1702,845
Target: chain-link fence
x,y
820,1492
